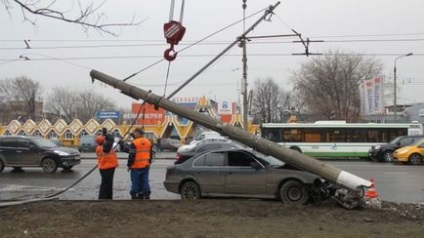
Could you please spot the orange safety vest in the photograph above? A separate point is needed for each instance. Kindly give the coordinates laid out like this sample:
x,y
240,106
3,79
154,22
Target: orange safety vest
x,y
142,153
106,160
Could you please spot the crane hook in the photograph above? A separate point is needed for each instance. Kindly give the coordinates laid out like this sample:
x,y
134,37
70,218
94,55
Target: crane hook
x,y
170,54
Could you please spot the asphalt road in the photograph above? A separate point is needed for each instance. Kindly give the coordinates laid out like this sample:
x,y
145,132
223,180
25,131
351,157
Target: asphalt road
x,y
398,183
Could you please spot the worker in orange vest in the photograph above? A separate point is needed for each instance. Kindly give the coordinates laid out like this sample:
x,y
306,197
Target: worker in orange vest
x,y
139,159
107,161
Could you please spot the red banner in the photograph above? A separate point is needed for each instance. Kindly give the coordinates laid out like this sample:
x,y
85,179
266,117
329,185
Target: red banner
x,y
148,114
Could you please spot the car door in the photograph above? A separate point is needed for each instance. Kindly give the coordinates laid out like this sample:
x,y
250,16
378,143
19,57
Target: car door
x,y
207,172
9,146
27,153
241,177
421,148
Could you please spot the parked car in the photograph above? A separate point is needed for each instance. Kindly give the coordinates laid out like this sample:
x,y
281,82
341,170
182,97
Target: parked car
x,y
384,152
205,135
29,151
87,143
243,173
182,156
56,141
204,141
170,144
412,154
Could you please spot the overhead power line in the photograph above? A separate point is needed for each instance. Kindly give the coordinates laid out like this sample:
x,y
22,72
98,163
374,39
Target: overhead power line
x,y
188,56
210,43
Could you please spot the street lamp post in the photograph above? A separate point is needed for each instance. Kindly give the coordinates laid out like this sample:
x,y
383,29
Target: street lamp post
x,y
394,87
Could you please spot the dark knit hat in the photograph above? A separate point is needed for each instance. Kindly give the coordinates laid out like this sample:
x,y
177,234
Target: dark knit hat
x,y
139,130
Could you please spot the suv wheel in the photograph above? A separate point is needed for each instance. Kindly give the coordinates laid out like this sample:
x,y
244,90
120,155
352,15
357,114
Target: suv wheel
x,y
1,166
49,165
388,156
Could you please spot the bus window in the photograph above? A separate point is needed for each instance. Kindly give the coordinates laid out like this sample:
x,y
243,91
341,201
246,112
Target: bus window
x,y
337,135
292,135
272,134
372,136
312,135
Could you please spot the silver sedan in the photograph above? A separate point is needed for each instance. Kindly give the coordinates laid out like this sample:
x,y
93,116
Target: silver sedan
x,y
243,173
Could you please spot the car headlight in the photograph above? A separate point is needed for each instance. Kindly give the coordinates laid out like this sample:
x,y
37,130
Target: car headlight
x,y
377,147
61,153
401,151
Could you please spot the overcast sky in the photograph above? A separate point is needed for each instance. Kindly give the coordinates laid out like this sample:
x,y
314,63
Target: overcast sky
x,y
63,54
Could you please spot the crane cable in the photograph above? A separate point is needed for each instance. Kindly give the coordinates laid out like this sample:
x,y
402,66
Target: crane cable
x,y
171,16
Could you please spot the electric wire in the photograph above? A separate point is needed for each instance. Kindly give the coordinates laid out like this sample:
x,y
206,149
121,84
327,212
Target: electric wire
x,y
192,56
195,43
218,43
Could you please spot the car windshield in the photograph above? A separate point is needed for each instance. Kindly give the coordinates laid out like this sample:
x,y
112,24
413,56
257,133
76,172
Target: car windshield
x,y
41,142
395,140
272,161
418,142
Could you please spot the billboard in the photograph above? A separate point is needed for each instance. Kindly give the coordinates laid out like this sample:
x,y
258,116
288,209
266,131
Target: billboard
x,y
371,95
148,114
225,108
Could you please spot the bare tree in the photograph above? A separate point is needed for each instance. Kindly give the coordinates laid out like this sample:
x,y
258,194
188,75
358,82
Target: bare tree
x,y
89,103
84,14
298,106
82,105
268,101
62,103
19,96
329,84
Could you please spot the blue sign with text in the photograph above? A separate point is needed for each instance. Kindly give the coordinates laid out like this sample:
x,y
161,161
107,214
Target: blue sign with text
x,y
107,114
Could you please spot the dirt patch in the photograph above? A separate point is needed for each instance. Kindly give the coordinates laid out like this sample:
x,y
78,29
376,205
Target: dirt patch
x,y
208,218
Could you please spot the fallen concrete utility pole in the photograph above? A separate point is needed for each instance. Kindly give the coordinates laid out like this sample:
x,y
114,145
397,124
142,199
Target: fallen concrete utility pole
x,y
354,184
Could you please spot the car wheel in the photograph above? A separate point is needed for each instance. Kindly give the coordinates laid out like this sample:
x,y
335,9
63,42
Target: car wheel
x,y
294,192
49,165
415,159
388,156
1,166
67,168
190,191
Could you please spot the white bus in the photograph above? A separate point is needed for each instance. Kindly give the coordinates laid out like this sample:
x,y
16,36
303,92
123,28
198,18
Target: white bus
x,y
336,139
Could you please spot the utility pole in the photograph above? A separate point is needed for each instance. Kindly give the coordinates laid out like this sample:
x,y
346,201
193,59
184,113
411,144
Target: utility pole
x,y
355,185
243,42
395,87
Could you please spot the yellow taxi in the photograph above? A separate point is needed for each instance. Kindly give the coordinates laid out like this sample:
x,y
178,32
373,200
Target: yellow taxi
x,y
412,154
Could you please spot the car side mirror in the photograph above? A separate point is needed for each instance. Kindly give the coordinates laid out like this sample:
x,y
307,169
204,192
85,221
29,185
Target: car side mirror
x,y
255,165
398,144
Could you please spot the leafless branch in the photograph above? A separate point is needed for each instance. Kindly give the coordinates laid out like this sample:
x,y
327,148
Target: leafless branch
x,y
88,16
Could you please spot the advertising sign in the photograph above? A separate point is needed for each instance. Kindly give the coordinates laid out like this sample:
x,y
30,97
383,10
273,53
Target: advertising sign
x,y
225,108
148,114
371,93
107,114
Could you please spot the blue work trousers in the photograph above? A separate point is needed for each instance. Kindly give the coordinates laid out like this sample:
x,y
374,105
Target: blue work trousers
x,y
140,188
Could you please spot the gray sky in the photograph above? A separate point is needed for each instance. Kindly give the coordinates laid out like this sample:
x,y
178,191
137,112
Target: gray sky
x,y
383,29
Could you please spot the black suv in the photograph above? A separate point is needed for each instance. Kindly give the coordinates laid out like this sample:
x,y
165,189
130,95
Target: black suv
x,y
384,152
31,151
